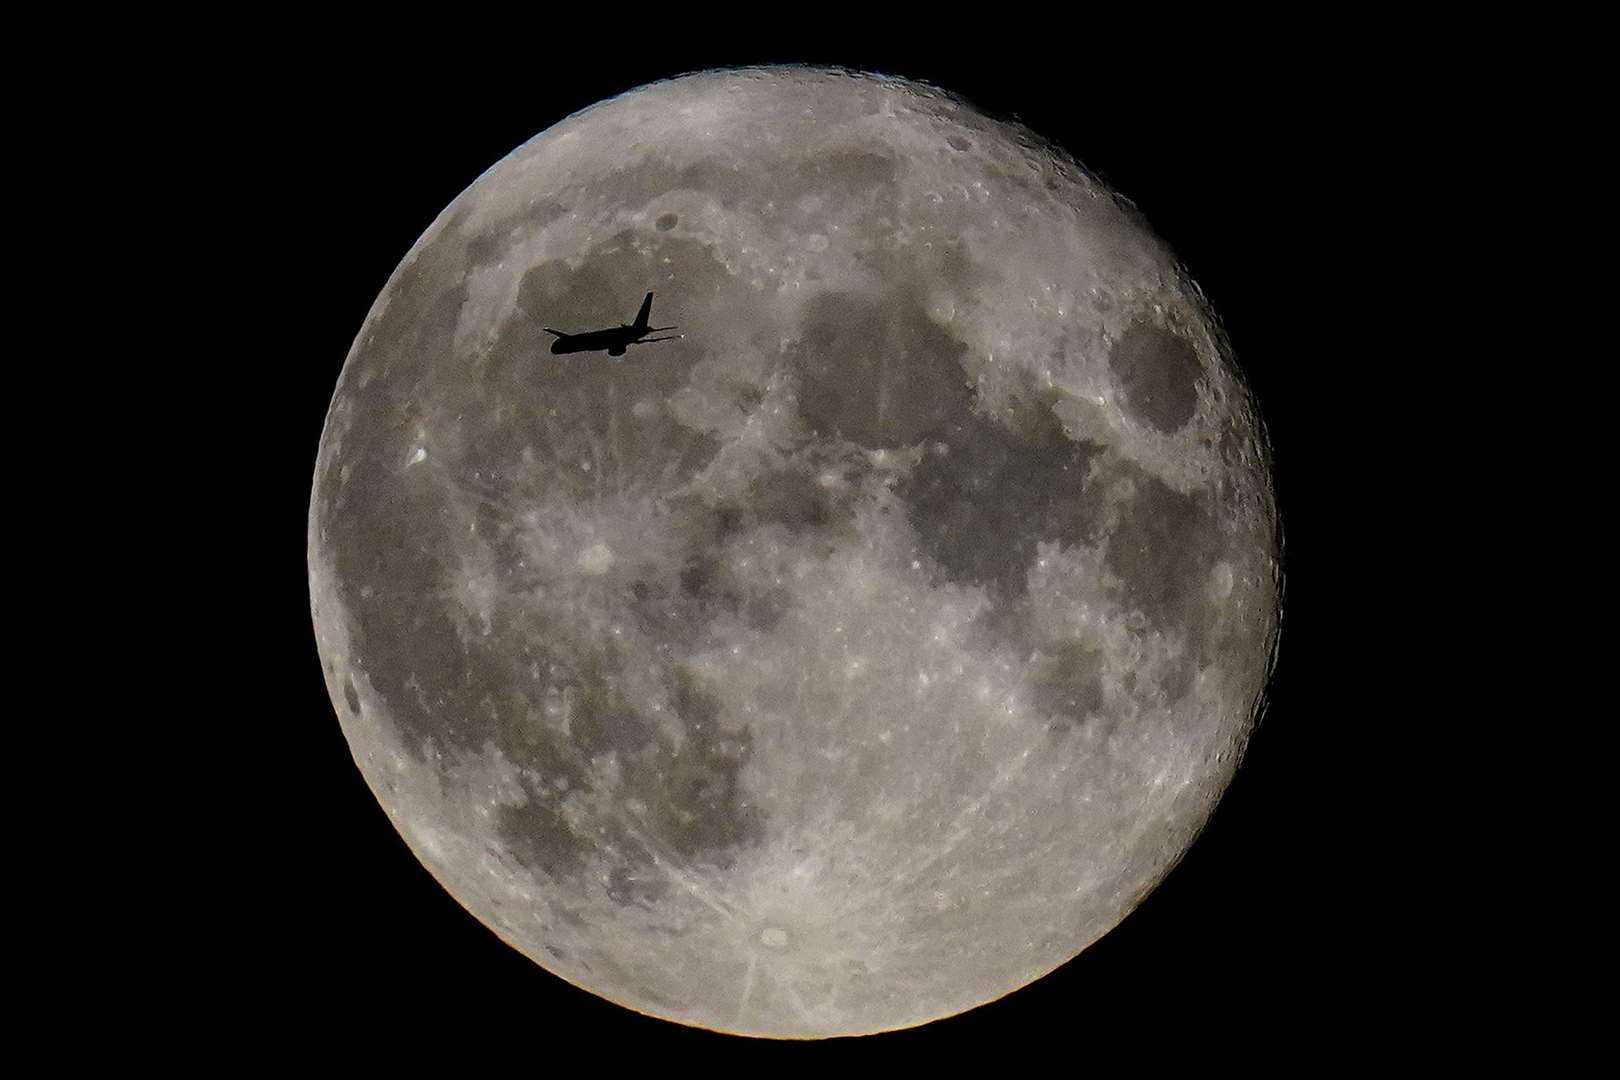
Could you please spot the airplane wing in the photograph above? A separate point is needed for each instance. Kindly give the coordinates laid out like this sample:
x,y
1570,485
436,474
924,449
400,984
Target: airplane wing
x,y
649,341
553,333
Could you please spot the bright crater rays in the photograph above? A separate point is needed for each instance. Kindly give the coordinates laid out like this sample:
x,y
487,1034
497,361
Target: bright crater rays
x,y
849,662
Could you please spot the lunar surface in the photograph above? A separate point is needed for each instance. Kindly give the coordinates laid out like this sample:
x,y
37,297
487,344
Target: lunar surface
x,y
855,659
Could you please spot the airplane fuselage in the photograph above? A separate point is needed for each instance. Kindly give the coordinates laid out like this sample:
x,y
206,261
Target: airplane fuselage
x,y
614,341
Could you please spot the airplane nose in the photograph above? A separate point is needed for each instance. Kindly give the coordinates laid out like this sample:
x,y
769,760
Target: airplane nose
x,y
556,348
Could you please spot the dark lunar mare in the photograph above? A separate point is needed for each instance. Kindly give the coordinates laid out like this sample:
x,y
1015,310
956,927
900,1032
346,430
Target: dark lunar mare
x,y
1158,370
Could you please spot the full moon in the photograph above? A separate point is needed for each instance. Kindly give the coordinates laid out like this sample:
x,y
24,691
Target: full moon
x,y
853,659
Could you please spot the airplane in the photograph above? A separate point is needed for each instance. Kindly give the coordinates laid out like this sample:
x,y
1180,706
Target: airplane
x,y
615,339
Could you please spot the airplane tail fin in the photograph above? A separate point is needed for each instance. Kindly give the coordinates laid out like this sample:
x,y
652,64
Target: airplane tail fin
x,y
644,316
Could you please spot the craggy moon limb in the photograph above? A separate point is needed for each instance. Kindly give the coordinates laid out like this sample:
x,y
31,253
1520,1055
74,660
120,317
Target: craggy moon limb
x,y
849,662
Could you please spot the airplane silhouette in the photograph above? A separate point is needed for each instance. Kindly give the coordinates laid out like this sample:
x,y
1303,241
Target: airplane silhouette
x,y
615,339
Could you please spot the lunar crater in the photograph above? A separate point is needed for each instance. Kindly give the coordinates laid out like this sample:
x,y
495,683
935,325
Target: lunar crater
x,y
1159,372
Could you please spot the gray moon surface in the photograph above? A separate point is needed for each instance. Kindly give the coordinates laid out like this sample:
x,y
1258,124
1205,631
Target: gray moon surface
x,y
850,662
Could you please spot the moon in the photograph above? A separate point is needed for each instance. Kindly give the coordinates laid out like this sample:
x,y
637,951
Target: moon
x,y
849,662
